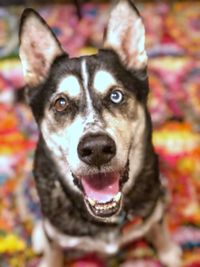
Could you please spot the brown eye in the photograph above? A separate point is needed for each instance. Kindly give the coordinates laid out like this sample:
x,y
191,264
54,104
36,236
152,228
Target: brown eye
x,y
60,104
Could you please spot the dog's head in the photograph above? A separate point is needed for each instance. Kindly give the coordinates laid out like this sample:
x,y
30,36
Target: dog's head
x,y
91,110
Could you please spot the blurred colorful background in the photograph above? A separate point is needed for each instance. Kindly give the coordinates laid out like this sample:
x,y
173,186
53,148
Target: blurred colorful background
x,y
173,44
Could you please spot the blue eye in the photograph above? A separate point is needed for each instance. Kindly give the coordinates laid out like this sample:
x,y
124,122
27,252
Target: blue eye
x,y
116,97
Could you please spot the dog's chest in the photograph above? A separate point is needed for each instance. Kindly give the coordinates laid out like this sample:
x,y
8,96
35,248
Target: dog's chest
x,y
107,243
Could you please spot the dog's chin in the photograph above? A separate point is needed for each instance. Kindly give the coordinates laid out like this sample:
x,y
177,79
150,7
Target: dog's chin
x,y
102,193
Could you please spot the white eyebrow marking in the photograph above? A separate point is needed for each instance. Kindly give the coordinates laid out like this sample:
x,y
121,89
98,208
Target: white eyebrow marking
x,y
103,81
69,85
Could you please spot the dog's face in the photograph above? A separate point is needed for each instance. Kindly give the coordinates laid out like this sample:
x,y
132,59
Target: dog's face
x,y
91,111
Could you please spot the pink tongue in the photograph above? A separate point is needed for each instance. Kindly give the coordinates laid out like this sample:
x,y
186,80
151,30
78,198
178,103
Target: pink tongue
x,y
101,187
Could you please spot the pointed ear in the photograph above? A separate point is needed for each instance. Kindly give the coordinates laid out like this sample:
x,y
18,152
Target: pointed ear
x,y
125,35
38,47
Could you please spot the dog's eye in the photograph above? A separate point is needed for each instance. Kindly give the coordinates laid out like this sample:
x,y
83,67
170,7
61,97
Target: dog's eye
x,y
116,97
60,104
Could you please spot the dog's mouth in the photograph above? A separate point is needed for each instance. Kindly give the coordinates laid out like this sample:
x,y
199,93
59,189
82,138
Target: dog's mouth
x,y
102,193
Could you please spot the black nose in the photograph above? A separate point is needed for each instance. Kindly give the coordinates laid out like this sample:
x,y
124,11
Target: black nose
x,y
96,149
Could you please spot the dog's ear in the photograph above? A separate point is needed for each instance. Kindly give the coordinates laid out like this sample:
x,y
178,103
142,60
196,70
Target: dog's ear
x,y
125,34
38,47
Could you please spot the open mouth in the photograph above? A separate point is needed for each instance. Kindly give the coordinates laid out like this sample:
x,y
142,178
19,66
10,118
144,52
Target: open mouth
x,y
102,193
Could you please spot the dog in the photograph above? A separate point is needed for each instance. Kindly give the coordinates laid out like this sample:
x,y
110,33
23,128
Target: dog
x,y
95,167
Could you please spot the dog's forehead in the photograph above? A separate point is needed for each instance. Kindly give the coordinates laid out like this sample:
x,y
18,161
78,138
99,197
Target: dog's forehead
x,y
89,73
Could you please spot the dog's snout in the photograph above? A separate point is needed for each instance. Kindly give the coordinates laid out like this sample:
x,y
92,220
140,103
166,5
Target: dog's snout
x,y
96,150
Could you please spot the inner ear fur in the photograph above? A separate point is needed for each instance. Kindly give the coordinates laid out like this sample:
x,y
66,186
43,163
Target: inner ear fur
x,y
38,47
125,34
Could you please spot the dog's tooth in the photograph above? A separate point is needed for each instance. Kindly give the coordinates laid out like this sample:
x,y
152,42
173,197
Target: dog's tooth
x,y
92,202
109,206
99,207
114,204
117,197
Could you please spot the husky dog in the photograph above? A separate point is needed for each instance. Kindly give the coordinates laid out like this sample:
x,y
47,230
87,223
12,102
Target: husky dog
x,y
95,167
